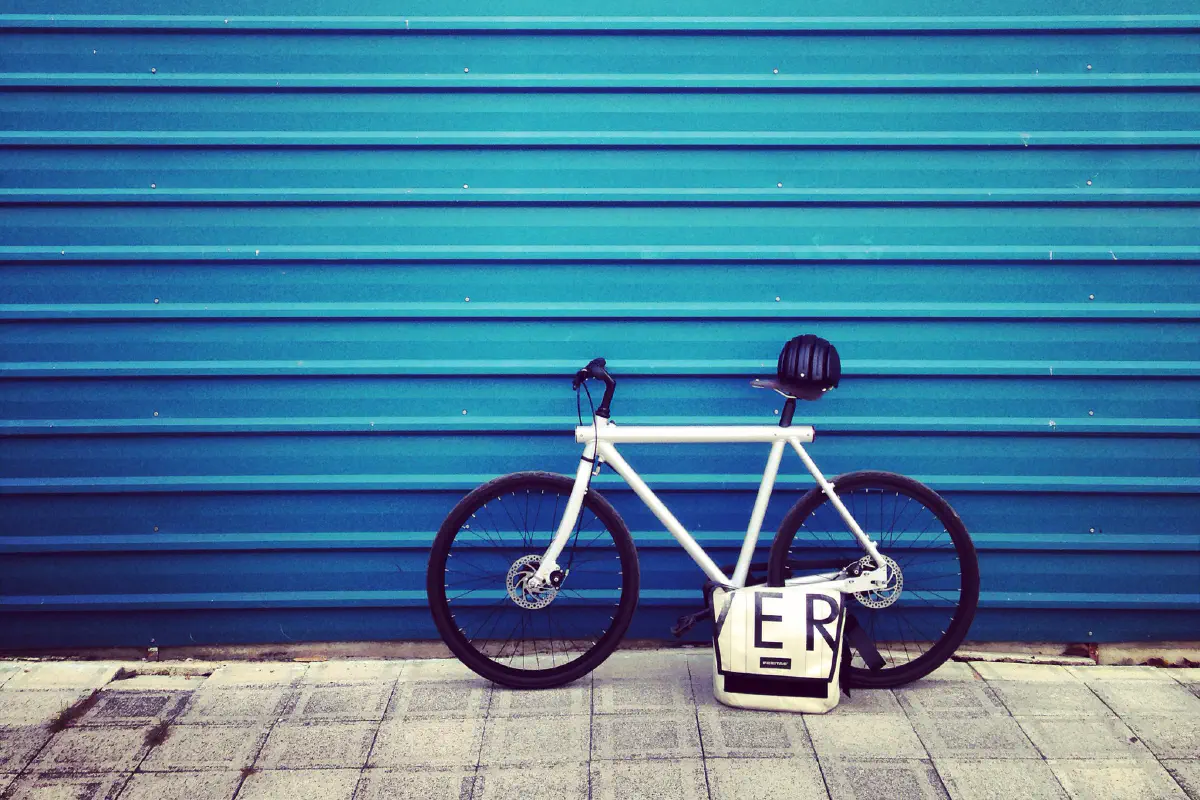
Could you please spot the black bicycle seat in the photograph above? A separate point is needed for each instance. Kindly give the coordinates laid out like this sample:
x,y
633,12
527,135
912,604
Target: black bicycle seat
x,y
789,389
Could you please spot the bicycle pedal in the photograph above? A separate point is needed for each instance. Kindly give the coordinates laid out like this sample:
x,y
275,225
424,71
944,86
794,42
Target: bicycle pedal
x,y
687,622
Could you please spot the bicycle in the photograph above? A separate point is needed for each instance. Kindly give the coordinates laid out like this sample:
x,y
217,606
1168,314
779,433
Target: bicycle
x,y
522,602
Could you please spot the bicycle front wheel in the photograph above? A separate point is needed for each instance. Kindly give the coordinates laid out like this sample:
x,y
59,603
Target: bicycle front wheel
x,y
923,615
482,558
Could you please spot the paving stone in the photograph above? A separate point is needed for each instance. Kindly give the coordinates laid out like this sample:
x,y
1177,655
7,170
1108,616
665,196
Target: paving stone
x,y
513,741
867,779
573,699
437,669
353,672
958,699
269,674
702,688
6,778
182,786
359,701
7,671
134,708
428,742
1092,737
1186,773
63,675
676,779
634,736
565,781
864,736
440,698
317,745
986,779
952,671
1168,736
413,784
1041,673
54,786
869,701
1108,673
639,664
207,747
92,750
306,784
157,683
973,737
36,707
1147,697
1050,699
765,779
232,705
761,734
18,744
1140,779
647,695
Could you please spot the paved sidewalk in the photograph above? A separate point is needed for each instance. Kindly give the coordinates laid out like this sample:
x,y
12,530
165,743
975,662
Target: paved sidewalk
x,y
644,725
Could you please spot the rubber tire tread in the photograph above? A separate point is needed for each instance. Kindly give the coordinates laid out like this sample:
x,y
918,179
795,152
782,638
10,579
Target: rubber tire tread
x,y
440,609
964,614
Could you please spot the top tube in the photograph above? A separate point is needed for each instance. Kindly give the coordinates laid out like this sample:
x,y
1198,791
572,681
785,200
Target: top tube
x,y
606,431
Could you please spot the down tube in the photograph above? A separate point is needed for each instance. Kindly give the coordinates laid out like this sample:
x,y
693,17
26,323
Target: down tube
x,y
656,506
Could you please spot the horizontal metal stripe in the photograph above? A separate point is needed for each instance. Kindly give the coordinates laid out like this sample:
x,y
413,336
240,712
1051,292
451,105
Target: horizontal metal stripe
x,y
604,138
689,482
558,285
642,83
1085,600
866,23
645,541
350,252
610,310
416,599
597,196
529,425
555,232
361,174
407,367
364,58
687,368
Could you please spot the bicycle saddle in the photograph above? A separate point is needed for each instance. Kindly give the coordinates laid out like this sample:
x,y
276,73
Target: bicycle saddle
x,y
808,367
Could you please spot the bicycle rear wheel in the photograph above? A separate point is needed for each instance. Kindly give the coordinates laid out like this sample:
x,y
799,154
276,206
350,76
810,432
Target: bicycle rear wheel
x,y
919,621
488,547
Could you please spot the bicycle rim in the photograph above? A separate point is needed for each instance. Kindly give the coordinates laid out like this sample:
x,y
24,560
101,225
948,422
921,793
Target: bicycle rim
x,y
918,623
490,545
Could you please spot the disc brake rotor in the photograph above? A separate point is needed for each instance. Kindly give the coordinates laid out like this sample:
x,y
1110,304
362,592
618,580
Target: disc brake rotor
x,y
882,598
517,584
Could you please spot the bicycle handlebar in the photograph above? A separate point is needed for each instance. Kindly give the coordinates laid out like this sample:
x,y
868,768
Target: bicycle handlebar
x,y
596,369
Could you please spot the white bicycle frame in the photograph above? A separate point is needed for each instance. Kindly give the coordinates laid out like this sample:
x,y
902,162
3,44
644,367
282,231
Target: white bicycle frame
x,y
600,440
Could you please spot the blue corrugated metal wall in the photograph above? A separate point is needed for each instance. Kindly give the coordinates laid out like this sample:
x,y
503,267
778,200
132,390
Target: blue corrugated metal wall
x,y
277,288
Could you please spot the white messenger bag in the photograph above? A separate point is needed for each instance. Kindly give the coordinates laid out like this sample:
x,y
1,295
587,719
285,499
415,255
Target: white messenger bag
x,y
778,648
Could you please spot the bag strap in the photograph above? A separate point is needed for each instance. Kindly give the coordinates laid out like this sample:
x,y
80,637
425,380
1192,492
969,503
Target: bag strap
x,y
856,635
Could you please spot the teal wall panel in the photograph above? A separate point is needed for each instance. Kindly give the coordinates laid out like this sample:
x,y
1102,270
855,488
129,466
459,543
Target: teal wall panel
x,y
277,288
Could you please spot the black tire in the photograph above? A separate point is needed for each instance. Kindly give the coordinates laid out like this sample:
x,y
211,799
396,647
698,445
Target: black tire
x,y
913,525
587,616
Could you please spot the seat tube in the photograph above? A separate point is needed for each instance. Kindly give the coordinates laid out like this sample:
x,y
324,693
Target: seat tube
x,y
566,526
757,515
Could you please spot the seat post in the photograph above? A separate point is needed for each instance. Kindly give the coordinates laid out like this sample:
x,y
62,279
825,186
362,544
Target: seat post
x,y
789,408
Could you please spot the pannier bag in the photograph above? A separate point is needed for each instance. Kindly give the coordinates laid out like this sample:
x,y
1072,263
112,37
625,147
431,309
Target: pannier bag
x,y
778,648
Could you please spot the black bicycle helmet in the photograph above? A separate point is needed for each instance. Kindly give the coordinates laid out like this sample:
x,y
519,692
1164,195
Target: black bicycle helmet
x,y
808,367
